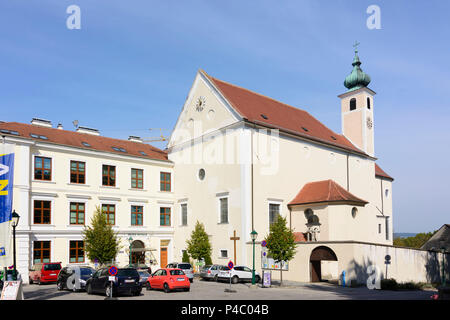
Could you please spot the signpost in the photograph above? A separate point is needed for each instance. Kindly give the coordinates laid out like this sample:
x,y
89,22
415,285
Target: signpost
x,y
230,266
387,261
112,277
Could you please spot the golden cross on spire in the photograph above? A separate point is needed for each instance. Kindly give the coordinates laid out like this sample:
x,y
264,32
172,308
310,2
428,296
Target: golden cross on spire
x,y
356,46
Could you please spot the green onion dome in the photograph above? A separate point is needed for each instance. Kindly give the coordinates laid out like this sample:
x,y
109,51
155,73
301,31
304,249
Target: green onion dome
x,y
357,79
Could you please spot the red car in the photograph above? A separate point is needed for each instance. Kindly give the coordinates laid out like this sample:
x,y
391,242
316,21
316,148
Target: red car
x,y
168,279
44,272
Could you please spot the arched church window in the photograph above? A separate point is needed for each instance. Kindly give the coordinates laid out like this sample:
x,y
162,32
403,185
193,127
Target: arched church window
x,y
368,103
352,104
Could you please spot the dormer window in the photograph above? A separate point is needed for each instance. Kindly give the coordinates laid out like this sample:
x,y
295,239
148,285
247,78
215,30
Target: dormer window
x,y
368,103
352,104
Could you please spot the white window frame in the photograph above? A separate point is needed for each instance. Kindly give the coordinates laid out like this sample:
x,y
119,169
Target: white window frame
x,y
220,209
276,202
52,165
143,178
85,173
220,254
68,251
181,214
52,207
85,212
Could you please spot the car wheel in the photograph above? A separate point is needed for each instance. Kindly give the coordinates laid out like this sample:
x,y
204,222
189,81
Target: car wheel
x,y
88,288
187,289
257,279
59,286
235,279
215,278
148,286
166,288
39,281
191,280
30,281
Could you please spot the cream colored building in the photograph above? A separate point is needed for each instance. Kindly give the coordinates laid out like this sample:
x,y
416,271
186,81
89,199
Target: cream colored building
x,y
81,171
241,158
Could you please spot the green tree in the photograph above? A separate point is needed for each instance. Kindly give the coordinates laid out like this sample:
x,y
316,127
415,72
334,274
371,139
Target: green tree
x,y
198,246
281,242
185,257
100,241
414,242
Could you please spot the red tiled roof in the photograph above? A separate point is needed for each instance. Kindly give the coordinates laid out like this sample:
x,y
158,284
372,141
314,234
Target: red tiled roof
x,y
268,112
325,191
299,237
380,173
75,139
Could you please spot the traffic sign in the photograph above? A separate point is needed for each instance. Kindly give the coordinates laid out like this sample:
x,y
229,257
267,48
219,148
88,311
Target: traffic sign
x,y
112,271
230,264
263,243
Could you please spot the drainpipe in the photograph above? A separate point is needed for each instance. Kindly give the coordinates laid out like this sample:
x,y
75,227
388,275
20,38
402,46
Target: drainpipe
x,y
348,175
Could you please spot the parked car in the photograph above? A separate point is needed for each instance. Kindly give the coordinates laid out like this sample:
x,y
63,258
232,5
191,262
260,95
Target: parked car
x,y
44,272
140,266
211,272
237,274
186,267
74,277
143,277
168,279
127,281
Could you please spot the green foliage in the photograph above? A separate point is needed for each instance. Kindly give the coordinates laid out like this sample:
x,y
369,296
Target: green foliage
x,y
199,246
208,260
391,284
414,242
281,241
100,240
388,284
185,257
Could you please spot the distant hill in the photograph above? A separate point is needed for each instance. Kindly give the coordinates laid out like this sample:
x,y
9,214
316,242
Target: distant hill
x,y
403,235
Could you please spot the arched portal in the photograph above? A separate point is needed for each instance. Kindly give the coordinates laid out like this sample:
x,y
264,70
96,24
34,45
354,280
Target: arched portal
x,y
137,252
318,255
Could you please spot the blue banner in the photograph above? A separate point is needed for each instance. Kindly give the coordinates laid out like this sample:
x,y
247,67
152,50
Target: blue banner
x,y
6,195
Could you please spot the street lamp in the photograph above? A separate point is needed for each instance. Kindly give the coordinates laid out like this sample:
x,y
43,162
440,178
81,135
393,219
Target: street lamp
x,y
130,239
253,235
15,222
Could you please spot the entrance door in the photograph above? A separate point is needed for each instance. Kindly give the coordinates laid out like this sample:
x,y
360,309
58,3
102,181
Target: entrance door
x,y
163,257
315,271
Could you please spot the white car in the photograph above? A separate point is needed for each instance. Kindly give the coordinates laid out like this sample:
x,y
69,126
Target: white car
x,y
238,274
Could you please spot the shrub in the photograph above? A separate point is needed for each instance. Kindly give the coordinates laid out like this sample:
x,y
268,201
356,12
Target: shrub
x,y
389,284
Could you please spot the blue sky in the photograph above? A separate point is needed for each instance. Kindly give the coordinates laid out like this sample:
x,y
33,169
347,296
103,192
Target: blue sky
x,y
131,65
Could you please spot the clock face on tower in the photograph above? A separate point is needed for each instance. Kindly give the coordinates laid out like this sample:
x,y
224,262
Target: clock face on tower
x,y
369,123
200,104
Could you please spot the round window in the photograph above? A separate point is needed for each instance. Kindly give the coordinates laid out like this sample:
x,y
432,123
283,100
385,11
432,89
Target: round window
x,y
201,174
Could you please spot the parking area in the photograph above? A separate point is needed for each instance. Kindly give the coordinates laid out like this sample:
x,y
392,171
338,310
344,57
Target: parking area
x,y
210,290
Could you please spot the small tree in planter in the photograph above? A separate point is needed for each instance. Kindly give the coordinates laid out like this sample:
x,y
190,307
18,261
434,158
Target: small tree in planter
x,y
185,257
100,241
199,246
281,243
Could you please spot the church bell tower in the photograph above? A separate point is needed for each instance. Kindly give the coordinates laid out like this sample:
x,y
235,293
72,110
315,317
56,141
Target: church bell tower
x,y
357,109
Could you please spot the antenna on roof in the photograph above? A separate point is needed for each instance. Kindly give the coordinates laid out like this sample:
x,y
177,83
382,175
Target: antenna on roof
x,y
154,139
75,123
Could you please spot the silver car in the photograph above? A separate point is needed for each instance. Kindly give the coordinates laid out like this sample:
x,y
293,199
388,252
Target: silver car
x,y
238,274
186,267
210,272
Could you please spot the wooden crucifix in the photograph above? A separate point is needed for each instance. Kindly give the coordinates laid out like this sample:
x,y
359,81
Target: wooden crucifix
x,y
234,238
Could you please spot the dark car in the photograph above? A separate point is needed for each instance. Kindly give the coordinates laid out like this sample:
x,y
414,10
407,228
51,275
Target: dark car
x,y
74,277
126,281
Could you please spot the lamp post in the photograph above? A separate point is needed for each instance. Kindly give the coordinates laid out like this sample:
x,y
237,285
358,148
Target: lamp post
x,y
253,235
130,239
15,222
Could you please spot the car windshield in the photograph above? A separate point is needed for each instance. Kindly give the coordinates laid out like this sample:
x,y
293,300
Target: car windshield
x,y
144,273
206,267
127,273
225,268
51,267
86,271
184,266
176,272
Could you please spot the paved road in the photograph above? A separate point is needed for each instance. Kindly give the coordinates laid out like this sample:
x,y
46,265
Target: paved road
x,y
205,290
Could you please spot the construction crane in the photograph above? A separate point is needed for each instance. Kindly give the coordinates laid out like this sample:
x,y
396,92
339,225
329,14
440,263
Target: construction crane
x,y
155,139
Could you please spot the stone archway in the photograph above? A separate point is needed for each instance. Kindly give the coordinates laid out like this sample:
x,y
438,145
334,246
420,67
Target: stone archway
x,y
138,252
318,255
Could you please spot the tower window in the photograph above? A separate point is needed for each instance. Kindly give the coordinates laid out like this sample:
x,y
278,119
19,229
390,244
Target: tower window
x,y
352,104
368,103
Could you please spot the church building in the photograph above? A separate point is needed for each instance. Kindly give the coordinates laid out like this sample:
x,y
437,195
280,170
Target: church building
x,y
242,158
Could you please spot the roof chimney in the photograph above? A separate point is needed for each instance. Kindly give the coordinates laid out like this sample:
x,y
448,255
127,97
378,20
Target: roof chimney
x,y
60,126
87,130
41,122
135,139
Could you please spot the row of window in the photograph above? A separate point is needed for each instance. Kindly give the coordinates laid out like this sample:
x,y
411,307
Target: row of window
x,y
42,213
353,104
42,250
43,171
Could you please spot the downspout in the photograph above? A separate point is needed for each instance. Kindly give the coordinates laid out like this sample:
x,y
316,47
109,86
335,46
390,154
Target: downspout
x,y
382,202
348,175
251,138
